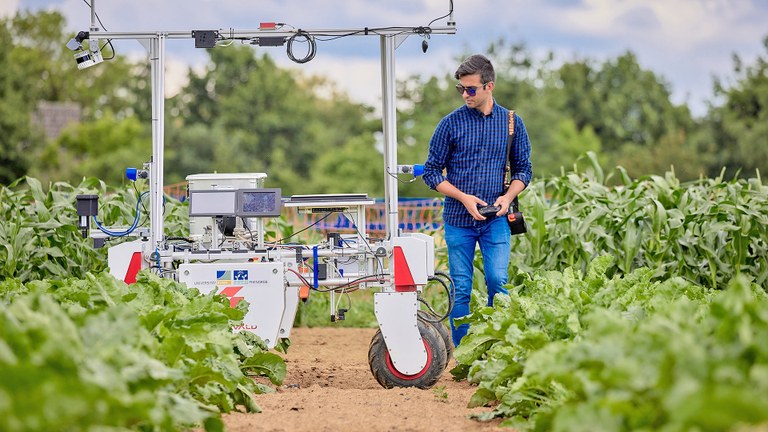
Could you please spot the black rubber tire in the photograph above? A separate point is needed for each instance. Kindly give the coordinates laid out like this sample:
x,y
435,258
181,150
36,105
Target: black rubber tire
x,y
441,328
388,376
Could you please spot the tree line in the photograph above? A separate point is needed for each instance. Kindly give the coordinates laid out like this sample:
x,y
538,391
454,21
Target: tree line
x,y
243,113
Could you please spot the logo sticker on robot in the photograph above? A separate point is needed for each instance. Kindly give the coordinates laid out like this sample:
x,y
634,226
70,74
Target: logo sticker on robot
x,y
223,277
230,292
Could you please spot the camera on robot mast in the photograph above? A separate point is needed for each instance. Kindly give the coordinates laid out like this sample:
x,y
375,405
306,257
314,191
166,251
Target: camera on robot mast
x,y
85,58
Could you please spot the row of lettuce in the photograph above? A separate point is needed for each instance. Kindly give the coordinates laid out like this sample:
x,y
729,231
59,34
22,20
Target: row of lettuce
x,y
620,352
97,354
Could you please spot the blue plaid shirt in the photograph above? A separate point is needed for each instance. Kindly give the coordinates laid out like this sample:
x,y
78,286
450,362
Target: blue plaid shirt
x,y
471,147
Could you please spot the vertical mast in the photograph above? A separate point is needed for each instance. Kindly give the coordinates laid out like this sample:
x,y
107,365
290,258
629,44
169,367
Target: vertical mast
x,y
389,124
157,62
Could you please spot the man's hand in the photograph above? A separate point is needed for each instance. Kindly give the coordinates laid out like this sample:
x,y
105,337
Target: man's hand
x,y
470,203
504,202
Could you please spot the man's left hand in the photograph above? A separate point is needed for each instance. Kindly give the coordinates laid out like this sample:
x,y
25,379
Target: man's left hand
x,y
504,202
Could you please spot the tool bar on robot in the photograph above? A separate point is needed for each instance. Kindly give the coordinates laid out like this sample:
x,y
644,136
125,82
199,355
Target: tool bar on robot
x,y
345,281
296,278
227,34
96,233
296,254
283,254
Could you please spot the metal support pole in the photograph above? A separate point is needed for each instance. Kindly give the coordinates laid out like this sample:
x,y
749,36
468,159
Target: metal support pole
x,y
93,16
389,125
157,62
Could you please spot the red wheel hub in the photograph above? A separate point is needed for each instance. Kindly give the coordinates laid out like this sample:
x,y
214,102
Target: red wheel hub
x,y
415,376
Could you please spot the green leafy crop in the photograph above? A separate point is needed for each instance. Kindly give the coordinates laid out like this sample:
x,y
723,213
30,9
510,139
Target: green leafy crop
x,y
624,353
97,354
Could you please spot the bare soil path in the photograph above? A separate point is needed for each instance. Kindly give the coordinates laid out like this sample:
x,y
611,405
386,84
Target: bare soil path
x,y
329,387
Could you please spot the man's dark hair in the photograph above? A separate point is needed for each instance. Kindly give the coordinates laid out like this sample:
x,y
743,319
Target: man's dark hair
x,y
476,64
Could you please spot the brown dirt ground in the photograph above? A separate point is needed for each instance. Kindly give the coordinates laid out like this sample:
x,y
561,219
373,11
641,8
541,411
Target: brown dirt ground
x,y
329,387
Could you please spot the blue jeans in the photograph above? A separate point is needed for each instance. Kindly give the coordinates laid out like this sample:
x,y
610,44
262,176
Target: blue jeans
x,y
493,238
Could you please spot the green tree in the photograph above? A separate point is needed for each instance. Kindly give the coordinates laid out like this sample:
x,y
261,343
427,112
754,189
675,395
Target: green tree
x,y
736,132
356,169
673,151
102,148
621,101
15,132
190,150
261,118
424,101
39,47
37,67
567,145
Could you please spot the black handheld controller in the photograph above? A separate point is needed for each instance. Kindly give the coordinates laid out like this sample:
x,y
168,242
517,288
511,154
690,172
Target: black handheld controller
x,y
489,210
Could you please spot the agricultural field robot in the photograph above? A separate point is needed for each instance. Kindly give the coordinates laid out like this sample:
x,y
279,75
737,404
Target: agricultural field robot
x,y
226,250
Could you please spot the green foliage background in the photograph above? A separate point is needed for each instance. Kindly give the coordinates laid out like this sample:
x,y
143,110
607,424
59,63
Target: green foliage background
x,y
39,238
705,230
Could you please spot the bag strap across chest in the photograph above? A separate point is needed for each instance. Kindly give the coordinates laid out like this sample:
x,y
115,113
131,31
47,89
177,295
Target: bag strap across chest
x,y
510,137
507,179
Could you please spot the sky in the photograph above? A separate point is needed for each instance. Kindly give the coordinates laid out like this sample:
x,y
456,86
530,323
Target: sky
x,y
686,42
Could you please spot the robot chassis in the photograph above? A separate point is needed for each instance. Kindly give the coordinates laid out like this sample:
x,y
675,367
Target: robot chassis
x,y
410,348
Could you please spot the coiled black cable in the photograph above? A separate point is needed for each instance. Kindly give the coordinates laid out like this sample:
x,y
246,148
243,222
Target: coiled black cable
x,y
445,280
308,38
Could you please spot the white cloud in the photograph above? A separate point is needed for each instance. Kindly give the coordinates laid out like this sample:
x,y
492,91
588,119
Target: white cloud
x,y
8,8
671,24
360,77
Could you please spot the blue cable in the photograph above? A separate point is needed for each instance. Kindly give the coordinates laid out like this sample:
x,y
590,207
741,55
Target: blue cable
x,y
315,267
130,229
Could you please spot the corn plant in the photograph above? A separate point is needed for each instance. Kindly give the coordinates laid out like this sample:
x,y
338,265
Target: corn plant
x,y
39,238
705,231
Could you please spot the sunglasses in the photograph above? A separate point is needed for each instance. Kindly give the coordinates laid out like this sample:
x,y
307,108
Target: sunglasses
x,y
471,90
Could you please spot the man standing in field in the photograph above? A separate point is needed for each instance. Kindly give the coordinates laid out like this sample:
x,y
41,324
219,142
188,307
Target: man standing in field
x,y
470,144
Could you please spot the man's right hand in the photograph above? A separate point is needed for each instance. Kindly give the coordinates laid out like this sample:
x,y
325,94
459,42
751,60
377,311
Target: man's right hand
x,y
471,203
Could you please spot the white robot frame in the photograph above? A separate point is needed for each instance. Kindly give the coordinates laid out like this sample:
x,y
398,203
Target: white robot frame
x,y
407,350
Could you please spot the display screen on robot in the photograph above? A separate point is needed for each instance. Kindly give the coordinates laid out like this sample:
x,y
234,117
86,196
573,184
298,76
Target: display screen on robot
x,y
264,202
213,203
